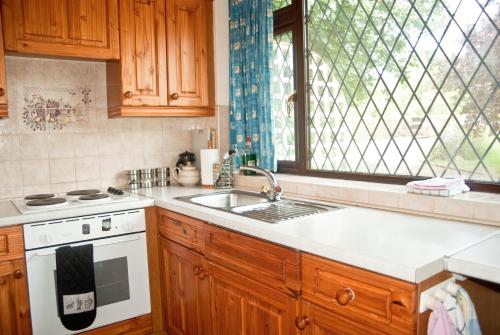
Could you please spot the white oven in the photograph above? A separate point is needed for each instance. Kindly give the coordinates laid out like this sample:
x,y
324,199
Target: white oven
x,y
120,265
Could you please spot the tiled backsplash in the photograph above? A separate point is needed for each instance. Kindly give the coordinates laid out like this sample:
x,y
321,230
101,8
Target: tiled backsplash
x,y
58,136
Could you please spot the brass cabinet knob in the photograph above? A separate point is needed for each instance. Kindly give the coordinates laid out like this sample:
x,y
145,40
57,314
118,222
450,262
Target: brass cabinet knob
x,y
174,96
344,296
301,322
128,94
18,274
2,92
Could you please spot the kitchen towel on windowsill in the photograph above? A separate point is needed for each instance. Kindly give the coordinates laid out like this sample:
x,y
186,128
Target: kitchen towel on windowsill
x,y
438,186
76,291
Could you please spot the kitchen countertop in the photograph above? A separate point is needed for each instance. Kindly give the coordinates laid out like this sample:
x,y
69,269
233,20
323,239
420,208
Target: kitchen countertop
x,y
404,246
10,215
479,261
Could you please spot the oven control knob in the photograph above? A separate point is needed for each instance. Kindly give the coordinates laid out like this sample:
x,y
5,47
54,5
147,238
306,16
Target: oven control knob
x,y
45,238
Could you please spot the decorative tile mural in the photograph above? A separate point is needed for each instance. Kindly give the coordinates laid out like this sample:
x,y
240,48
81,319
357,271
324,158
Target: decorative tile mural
x,y
56,108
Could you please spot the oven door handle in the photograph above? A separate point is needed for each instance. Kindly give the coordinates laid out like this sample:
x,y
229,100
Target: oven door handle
x,y
117,240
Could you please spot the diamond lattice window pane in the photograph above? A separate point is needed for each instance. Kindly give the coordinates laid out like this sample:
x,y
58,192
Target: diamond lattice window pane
x,y
277,4
404,88
283,89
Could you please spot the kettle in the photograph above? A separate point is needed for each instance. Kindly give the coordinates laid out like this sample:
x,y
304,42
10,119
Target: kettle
x,y
187,175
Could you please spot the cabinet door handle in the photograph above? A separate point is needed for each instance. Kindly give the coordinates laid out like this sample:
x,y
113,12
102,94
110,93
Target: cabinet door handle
x,y
18,274
174,96
301,322
175,222
196,270
344,296
2,92
128,94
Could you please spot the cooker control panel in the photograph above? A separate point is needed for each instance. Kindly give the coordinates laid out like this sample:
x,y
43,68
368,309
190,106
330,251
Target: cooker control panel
x,y
44,234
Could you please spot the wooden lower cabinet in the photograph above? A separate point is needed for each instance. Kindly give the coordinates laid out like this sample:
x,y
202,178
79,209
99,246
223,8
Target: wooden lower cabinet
x,y
14,302
186,290
232,283
243,306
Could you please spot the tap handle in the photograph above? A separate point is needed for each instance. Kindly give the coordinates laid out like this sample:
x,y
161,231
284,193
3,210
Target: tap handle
x,y
278,189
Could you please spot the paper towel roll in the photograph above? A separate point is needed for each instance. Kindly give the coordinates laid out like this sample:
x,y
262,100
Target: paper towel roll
x,y
207,158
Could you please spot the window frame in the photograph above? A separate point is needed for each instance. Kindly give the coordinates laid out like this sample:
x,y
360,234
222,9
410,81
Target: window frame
x,y
292,18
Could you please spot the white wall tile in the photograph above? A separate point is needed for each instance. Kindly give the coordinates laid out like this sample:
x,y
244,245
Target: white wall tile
x,y
34,146
92,153
11,174
62,170
60,145
86,145
87,168
35,172
10,148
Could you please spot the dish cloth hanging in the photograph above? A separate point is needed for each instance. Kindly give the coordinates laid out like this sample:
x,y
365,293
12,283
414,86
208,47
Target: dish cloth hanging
x,y
469,313
76,289
440,322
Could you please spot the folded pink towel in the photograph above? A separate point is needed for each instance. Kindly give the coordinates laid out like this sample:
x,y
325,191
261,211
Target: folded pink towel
x,y
437,183
440,322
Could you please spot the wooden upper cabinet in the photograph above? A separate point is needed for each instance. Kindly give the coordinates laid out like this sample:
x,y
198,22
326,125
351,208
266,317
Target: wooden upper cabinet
x,y
188,45
74,28
143,53
3,80
166,66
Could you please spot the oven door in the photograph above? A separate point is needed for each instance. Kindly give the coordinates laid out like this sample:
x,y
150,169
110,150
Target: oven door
x,y
121,274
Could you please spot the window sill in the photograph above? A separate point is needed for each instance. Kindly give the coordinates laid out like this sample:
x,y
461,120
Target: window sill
x,y
478,207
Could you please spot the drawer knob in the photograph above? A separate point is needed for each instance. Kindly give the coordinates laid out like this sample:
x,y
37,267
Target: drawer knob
x,y
174,96
2,92
301,322
128,94
344,296
196,270
18,274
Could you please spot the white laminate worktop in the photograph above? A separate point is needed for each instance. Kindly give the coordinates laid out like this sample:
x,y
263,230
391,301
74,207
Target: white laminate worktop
x,y
403,246
479,261
10,215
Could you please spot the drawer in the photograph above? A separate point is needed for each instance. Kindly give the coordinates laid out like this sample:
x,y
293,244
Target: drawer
x,y
181,229
268,263
11,243
360,295
317,320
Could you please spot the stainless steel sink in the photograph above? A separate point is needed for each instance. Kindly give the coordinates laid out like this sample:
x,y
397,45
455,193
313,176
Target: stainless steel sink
x,y
226,200
256,206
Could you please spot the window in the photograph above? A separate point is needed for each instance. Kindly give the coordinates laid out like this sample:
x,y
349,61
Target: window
x,y
388,90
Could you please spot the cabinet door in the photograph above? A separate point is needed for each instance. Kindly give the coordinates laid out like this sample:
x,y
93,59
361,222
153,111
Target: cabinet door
x,y
243,306
3,81
188,34
186,290
79,28
143,53
14,303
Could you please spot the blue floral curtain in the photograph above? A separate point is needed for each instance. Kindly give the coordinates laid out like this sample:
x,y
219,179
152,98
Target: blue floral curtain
x,y
251,38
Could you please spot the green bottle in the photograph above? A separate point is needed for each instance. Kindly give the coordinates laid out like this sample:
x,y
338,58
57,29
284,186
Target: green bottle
x,y
249,157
